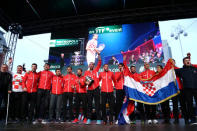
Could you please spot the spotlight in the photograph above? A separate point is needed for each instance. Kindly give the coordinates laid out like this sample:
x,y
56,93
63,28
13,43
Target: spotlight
x,y
176,37
181,31
185,34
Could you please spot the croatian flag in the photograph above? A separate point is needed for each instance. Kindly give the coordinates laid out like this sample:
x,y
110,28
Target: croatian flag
x,y
127,109
155,90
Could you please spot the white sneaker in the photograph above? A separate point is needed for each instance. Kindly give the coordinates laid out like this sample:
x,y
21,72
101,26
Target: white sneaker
x,y
155,121
44,122
193,124
35,122
149,122
116,122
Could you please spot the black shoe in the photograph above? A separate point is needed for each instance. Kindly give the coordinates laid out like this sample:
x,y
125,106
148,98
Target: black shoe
x,y
17,120
11,120
50,121
57,120
193,122
29,121
166,122
186,122
176,121
22,121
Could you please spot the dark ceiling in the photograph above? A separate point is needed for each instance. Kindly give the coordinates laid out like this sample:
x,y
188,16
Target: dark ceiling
x,y
41,16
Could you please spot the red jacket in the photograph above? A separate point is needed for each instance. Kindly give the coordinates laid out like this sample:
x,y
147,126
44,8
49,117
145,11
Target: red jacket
x,y
80,88
119,80
107,78
30,81
180,84
147,74
194,65
45,80
69,82
136,75
94,75
126,69
57,85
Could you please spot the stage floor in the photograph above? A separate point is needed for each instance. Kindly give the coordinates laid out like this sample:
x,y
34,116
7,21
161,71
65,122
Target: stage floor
x,y
82,127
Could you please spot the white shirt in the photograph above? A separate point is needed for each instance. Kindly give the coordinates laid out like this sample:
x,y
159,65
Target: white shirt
x,y
17,82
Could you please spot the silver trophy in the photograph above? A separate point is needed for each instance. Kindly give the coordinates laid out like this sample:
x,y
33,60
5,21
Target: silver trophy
x,y
89,80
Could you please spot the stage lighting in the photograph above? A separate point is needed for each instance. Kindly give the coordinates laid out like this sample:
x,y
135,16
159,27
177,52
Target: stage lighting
x,y
181,31
176,37
16,28
178,30
172,35
185,34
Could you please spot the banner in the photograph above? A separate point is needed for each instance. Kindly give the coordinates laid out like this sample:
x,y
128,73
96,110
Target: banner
x,y
105,29
158,89
63,42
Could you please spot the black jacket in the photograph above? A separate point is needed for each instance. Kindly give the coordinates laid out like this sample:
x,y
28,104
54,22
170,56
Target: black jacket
x,y
5,82
188,74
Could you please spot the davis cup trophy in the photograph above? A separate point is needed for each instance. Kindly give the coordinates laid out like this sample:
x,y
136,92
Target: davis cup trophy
x,y
89,80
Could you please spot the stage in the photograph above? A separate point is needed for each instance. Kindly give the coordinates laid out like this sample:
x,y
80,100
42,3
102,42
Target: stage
x,y
93,127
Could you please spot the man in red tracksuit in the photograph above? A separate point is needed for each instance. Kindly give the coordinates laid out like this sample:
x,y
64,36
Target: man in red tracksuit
x,y
56,96
107,93
30,85
149,109
69,81
80,96
133,72
93,91
120,93
43,94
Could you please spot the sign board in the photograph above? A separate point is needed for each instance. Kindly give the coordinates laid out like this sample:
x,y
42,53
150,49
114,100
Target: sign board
x,y
63,42
105,29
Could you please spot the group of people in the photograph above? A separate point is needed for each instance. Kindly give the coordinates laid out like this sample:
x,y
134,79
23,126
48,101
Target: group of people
x,y
148,57
41,97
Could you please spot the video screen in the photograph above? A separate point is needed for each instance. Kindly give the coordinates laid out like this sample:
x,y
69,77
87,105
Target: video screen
x,y
140,42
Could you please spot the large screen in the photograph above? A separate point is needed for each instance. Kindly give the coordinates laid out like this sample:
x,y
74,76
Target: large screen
x,y
140,42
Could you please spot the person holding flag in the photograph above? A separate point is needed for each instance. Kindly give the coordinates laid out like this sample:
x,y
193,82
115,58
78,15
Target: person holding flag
x,y
120,94
152,91
128,106
188,74
149,109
